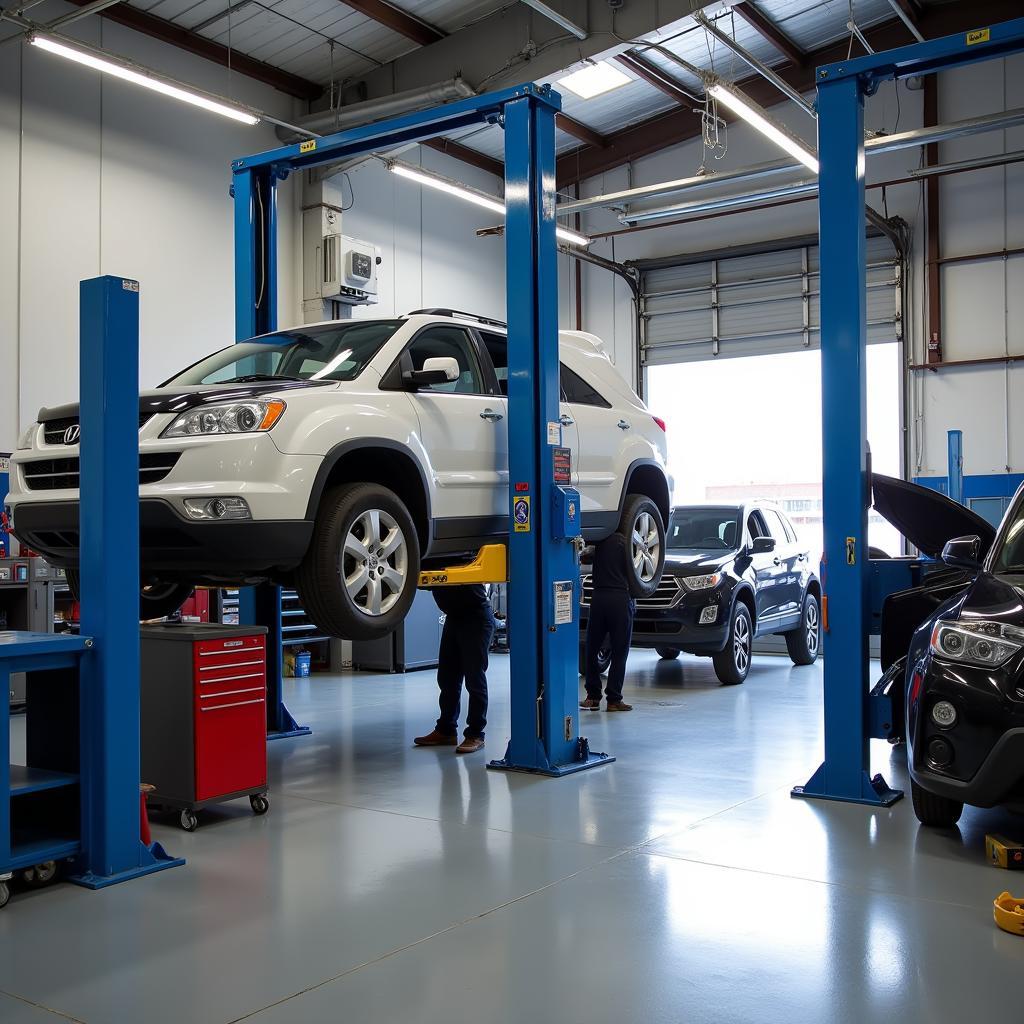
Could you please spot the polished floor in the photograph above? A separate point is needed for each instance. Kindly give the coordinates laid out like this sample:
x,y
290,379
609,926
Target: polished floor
x,y
680,884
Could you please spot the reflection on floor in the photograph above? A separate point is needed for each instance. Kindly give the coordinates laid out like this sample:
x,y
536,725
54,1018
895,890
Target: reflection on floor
x,y
392,884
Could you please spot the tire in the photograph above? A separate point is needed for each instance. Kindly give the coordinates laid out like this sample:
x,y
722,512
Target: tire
x,y
804,642
934,810
604,658
733,663
668,653
156,600
259,803
644,533
355,523
188,820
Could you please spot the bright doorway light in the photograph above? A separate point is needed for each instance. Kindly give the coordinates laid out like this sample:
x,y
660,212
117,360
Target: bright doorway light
x,y
594,79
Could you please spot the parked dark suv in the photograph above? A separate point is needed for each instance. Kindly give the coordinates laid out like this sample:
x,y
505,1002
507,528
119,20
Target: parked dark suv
x,y
732,573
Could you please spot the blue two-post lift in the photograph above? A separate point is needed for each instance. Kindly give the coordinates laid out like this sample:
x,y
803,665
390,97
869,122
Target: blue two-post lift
x,y
842,87
544,583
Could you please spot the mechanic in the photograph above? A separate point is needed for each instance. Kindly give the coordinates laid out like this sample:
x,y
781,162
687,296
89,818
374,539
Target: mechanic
x,y
611,614
465,641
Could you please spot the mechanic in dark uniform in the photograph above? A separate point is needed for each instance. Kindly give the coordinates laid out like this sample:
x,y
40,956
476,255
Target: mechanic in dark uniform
x,y
611,614
465,641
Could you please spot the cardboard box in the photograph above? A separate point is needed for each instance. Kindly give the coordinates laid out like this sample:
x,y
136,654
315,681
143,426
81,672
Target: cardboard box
x,y
1004,853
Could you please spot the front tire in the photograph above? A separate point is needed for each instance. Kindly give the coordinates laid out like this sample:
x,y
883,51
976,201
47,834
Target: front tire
x,y
733,663
359,576
156,600
644,533
934,810
804,642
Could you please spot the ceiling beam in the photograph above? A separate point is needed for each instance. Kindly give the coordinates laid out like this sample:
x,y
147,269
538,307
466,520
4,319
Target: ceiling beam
x,y
580,131
467,155
397,20
653,75
676,126
183,39
767,29
911,11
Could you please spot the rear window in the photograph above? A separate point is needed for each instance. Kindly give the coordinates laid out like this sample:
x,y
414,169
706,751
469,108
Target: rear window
x,y
576,389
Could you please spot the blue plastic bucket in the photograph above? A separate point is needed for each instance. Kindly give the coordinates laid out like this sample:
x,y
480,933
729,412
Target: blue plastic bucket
x,y
302,665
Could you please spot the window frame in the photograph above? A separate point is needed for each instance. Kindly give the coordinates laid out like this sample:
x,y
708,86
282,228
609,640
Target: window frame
x,y
392,379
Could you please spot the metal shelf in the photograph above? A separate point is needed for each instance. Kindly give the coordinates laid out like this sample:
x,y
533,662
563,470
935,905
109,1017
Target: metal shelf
x,y
34,780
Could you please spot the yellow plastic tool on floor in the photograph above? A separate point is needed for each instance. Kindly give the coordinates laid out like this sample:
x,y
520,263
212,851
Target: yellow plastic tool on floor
x,y
489,566
1008,912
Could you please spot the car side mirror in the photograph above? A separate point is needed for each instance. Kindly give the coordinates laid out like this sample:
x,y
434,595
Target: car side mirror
x,y
762,545
436,370
963,552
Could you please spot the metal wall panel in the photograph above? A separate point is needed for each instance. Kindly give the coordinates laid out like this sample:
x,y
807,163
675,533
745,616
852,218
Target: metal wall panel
x,y
756,305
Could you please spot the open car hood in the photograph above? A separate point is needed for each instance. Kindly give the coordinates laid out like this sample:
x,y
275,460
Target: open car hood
x,y
925,517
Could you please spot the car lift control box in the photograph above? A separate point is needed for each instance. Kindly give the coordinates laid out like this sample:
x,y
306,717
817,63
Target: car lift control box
x,y
1004,853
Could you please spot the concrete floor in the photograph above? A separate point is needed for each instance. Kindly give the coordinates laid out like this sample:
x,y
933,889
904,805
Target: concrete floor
x,y
682,883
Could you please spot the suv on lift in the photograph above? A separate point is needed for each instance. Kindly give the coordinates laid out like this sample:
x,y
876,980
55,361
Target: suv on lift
x,y
338,458
732,573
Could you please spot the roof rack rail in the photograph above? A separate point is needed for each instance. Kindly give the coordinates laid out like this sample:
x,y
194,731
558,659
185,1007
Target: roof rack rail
x,y
440,311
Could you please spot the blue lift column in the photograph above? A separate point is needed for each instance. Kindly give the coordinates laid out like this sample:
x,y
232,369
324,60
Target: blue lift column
x,y
845,772
544,519
109,528
955,471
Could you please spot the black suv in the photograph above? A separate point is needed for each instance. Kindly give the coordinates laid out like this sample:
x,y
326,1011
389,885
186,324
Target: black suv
x,y
732,573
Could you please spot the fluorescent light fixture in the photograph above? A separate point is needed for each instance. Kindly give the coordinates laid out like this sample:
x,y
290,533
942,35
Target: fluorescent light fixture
x,y
141,76
594,79
754,114
471,195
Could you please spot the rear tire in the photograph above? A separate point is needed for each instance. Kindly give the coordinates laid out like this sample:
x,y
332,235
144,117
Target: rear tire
x,y
934,810
156,600
733,663
359,575
644,532
804,642
668,653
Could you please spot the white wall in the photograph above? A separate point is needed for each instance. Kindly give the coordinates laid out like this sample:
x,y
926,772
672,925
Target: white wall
x,y
102,177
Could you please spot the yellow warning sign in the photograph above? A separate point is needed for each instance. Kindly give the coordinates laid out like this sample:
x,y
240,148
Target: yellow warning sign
x,y
979,35
851,550
521,514
308,146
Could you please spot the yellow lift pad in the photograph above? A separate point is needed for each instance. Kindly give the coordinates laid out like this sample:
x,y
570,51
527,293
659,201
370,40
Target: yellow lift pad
x,y
489,566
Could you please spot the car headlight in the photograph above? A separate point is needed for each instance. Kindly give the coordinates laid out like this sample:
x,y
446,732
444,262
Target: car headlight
x,y
27,436
703,582
234,418
982,643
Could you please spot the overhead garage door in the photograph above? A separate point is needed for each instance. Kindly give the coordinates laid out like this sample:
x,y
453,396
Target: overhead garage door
x,y
755,304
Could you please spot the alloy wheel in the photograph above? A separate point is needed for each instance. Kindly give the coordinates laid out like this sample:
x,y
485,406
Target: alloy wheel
x,y
646,547
741,644
375,562
811,627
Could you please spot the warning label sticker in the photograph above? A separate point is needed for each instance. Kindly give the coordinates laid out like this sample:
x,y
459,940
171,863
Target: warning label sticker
x,y
562,458
563,602
521,514
978,35
851,550
308,146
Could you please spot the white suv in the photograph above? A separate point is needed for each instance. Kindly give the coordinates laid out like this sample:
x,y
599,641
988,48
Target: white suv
x,y
338,457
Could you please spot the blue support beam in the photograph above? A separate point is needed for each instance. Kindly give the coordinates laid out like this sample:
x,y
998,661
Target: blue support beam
x,y
109,513
845,772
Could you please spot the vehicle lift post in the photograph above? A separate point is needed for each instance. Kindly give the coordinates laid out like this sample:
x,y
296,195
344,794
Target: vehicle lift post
x,y
544,586
845,773
955,463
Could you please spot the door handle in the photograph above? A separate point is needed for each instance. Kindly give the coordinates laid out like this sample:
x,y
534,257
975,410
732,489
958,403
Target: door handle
x,y
776,560
623,425
801,558
490,414
566,420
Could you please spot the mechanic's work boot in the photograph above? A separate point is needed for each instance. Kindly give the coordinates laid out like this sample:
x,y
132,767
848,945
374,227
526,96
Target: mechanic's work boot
x,y
618,706
589,704
470,745
436,739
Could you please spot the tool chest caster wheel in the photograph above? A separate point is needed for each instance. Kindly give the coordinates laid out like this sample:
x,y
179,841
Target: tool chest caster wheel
x,y
188,820
41,874
259,803
5,894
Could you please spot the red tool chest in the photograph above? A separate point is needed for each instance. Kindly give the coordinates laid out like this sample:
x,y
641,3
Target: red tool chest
x,y
204,718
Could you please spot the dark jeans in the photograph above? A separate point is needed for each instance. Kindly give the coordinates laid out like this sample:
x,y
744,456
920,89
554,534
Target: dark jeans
x,y
465,641
611,615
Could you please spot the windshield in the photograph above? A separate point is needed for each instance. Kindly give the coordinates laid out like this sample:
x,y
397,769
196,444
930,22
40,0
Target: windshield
x,y
1010,555
704,529
332,352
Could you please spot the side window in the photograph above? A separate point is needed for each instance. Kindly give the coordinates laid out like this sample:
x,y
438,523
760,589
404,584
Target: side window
x,y
790,529
453,342
755,526
576,389
775,525
497,349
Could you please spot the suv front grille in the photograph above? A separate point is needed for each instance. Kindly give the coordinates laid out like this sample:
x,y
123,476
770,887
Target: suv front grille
x,y
668,594
53,430
56,474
